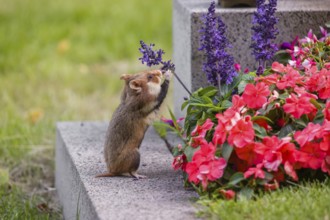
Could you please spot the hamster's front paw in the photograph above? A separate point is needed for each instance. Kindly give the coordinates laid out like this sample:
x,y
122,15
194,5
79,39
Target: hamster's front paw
x,y
168,74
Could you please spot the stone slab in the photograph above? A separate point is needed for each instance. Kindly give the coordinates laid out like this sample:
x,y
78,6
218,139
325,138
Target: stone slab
x,y
79,158
296,17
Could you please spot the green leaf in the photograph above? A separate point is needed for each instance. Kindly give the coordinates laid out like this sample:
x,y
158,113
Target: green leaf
x,y
201,105
260,131
211,93
254,118
207,100
249,77
315,103
214,110
319,118
236,178
301,123
160,128
285,131
226,151
241,86
176,125
207,90
283,96
189,152
226,104
184,104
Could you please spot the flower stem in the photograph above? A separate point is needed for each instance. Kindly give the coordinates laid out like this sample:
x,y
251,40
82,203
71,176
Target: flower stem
x,y
219,86
183,85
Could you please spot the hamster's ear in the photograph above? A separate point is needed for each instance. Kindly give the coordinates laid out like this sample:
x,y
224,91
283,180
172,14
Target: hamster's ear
x,y
126,77
135,85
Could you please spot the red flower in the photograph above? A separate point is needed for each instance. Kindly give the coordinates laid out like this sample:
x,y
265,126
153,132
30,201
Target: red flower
x,y
205,166
263,123
326,164
179,162
213,169
326,111
255,96
278,67
242,133
298,106
280,122
229,118
272,160
311,156
205,153
248,153
325,143
197,141
290,79
308,134
237,67
220,134
269,79
192,169
290,171
237,103
320,82
276,151
324,92
256,171
228,194
202,129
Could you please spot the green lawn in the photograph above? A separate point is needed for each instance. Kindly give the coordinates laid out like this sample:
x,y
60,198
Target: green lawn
x,y
61,60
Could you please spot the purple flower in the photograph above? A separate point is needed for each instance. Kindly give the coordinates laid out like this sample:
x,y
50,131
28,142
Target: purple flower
x,y
264,32
218,65
154,57
170,121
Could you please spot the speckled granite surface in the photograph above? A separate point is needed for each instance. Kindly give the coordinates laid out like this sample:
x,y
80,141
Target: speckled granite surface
x,y
79,158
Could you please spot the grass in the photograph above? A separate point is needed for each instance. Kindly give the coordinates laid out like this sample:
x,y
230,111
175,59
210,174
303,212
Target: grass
x,y
308,201
61,60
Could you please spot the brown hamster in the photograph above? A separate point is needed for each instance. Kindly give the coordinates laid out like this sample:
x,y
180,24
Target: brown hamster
x,y
142,96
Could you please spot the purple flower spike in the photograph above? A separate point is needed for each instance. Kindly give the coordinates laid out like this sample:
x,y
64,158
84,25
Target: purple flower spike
x,y
152,57
218,65
264,31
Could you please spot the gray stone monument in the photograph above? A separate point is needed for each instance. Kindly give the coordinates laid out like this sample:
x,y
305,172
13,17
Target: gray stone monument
x,y
296,17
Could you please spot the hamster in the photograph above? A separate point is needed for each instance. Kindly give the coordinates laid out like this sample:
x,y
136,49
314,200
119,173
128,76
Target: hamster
x,y
142,96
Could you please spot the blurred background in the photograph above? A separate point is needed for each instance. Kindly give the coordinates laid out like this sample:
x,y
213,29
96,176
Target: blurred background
x,y
61,60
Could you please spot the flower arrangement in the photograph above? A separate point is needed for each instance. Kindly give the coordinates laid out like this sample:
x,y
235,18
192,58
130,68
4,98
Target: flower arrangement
x,y
270,127
278,126
256,130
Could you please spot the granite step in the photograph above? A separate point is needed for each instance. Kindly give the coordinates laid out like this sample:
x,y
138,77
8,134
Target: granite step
x,y
79,157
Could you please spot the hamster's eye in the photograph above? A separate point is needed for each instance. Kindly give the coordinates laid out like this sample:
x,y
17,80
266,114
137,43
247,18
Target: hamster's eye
x,y
149,77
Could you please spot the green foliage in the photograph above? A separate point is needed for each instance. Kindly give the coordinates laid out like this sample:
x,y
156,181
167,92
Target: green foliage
x,y
206,102
201,106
